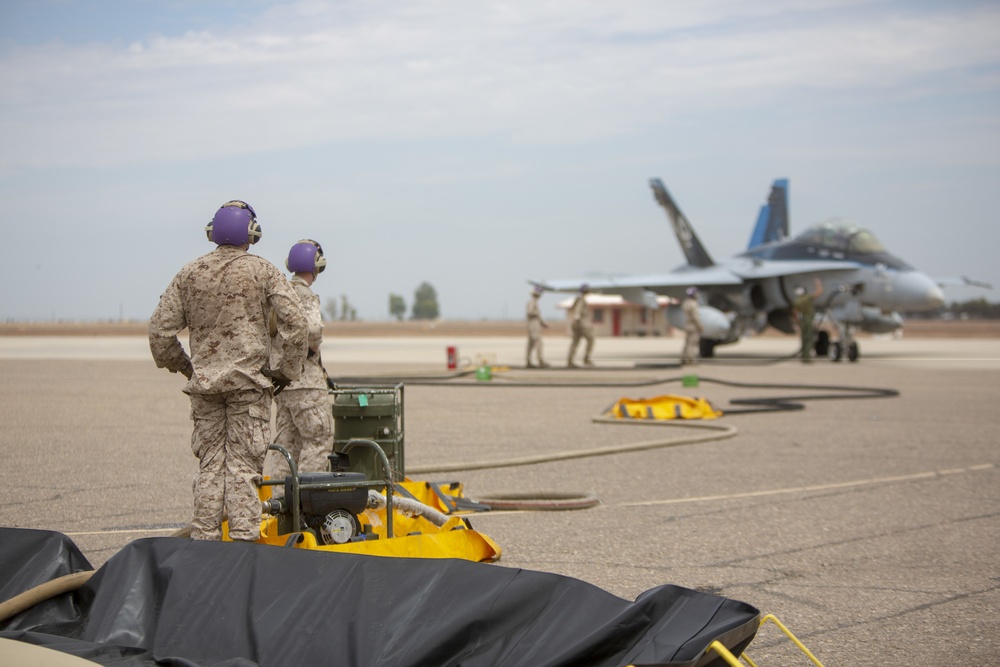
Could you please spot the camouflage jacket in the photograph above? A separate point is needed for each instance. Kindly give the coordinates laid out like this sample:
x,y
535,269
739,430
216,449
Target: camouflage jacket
x,y
580,312
223,299
313,375
533,311
692,318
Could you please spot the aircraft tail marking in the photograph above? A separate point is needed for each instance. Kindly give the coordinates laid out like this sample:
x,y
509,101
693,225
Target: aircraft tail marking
x,y
772,223
694,251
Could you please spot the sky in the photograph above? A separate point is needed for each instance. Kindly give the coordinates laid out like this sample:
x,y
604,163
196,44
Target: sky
x,y
479,145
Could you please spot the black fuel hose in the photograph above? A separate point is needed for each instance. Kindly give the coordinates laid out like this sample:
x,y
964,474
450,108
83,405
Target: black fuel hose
x,y
711,431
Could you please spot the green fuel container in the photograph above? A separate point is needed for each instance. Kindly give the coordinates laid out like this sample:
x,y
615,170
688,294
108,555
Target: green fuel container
x,y
370,413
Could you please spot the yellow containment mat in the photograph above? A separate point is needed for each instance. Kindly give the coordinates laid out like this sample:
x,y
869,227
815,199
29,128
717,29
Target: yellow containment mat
x,y
414,535
664,407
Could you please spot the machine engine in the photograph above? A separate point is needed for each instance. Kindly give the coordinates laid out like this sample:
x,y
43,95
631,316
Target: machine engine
x,y
330,511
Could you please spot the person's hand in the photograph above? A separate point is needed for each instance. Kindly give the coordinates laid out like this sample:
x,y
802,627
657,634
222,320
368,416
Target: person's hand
x,y
188,371
278,381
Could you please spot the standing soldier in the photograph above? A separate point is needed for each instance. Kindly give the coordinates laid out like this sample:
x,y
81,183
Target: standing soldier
x,y
692,326
304,419
581,327
223,299
805,310
535,326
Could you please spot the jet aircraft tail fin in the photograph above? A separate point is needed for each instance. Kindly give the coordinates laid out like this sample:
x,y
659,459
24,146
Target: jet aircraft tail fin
x,y
694,251
772,222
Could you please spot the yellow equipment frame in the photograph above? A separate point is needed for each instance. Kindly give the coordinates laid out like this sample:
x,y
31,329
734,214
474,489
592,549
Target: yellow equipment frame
x,y
731,659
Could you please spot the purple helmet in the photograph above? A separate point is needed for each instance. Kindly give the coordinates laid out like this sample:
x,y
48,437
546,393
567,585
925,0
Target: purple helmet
x,y
306,256
235,223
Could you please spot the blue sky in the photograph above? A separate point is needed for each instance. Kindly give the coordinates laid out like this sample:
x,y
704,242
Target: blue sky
x,y
477,145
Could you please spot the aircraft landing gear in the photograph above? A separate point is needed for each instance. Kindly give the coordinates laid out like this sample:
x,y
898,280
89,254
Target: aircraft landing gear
x,y
822,343
706,348
837,351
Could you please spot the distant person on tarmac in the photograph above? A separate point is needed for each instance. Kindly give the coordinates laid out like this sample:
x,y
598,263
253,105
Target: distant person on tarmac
x,y
805,312
224,299
581,327
692,326
304,416
535,326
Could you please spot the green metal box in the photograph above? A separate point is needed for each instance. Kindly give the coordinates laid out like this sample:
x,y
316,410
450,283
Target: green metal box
x,y
371,412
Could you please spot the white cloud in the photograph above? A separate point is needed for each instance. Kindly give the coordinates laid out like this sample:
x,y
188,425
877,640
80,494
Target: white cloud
x,y
313,72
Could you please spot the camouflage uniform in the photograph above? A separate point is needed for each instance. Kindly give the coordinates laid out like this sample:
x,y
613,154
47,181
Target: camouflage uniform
x,y
692,329
535,324
223,299
304,419
581,328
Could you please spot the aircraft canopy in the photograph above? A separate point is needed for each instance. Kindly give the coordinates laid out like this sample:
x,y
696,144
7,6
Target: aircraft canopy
x,y
842,236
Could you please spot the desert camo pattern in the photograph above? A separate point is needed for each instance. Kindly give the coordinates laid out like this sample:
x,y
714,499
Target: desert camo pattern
x,y
304,426
535,324
304,416
692,329
224,299
581,329
231,433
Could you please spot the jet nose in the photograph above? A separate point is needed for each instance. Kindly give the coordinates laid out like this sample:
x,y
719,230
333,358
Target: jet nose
x,y
935,297
916,291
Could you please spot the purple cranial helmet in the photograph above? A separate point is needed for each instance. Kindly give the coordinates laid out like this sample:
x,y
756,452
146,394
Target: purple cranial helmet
x,y
235,223
306,256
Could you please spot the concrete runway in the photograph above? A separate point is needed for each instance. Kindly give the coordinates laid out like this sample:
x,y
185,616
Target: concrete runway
x,y
869,526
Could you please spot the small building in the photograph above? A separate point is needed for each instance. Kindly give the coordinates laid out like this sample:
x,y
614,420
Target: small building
x,y
614,316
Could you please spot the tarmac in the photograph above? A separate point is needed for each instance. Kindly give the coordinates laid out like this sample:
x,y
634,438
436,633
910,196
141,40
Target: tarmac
x,y
868,524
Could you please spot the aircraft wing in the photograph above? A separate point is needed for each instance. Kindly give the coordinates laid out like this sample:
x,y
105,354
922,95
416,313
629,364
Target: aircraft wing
x,y
718,276
751,269
712,276
962,281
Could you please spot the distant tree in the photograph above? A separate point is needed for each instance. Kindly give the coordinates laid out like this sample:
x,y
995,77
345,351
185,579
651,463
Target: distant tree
x,y
397,306
976,309
347,311
330,310
425,303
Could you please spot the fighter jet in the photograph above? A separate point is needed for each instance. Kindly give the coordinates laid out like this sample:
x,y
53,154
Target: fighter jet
x,y
864,286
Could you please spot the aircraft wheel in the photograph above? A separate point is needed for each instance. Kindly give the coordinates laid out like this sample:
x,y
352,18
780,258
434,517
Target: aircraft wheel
x,y
706,348
822,343
836,350
852,352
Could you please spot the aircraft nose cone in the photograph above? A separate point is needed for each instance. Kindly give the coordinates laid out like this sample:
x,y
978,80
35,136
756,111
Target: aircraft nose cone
x,y
935,297
916,291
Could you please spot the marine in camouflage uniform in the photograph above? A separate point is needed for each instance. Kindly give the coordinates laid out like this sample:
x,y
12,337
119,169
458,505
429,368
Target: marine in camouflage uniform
x,y
692,326
581,327
304,419
535,326
223,299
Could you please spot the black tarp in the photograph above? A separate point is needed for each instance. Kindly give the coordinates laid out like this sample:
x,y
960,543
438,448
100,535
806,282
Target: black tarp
x,y
173,601
32,557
